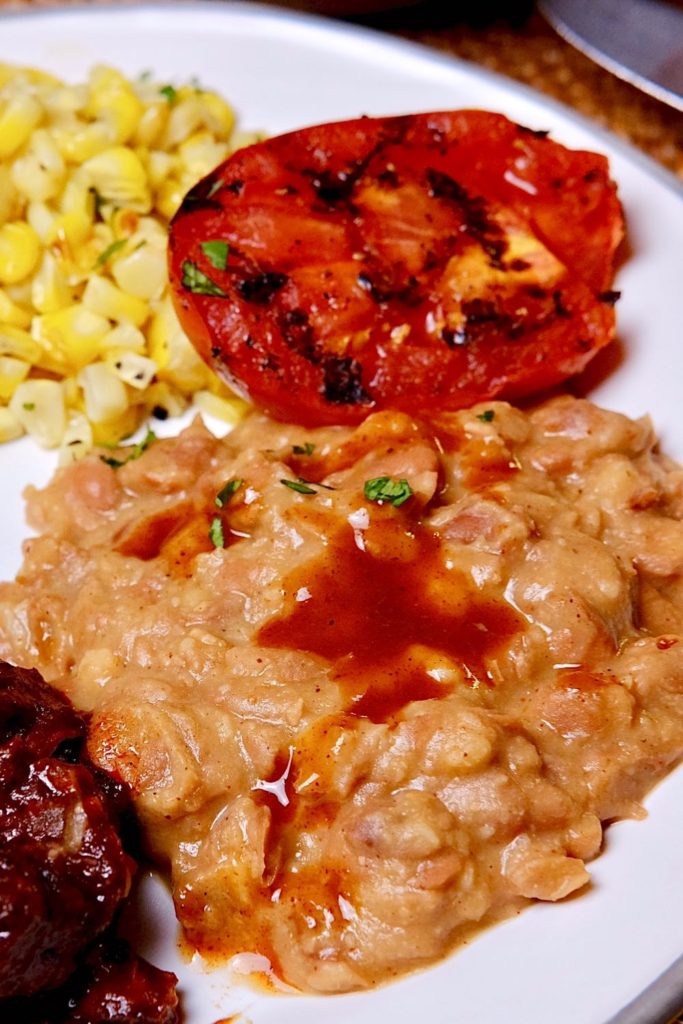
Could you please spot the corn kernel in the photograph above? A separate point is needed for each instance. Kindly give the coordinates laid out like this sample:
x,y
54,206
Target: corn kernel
x,y
49,289
185,118
133,369
124,223
162,395
9,198
77,440
18,118
105,396
10,427
19,251
169,197
200,154
73,396
113,102
82,144
103,297
12,372
40,217
64,99
82,167
11,314
71,336
77,197
109,432
151,231
171,350
160,166
15,342
73,228
39,174
124,337
218,117
39,407
142,272
230,410
120,178
151,124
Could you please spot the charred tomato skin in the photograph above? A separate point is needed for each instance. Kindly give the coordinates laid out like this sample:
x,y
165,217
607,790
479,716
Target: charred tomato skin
x,y
417,262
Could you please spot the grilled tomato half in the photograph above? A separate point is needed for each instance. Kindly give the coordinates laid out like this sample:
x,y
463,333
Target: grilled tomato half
x,y
421,263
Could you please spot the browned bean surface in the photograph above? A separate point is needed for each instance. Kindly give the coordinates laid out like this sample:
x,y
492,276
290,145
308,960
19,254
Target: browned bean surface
x,y
357,730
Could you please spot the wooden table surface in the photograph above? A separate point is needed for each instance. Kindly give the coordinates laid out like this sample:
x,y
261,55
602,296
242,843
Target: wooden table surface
x,y
509,37
520,44
526,48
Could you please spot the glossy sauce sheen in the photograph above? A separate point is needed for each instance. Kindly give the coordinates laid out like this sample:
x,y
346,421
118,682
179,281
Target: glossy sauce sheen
x,y
357,732
364,613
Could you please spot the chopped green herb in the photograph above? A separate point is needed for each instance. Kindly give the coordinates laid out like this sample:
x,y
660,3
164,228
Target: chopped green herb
x,y
145,75
140,245
110,251
226,492
216,533
169,93
486,416
300,486
303,449
327,487
194,280
385,490
136,451
218,183
216,253
29,406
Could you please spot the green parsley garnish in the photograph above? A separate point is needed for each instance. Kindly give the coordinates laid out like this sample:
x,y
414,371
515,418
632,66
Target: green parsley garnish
x,y
29,406
169,93
136,451
216,253
300,486
110,251
216,533
303,449
194,280
385,490
486,416
226,492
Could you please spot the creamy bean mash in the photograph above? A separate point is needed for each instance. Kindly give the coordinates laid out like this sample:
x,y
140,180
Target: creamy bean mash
x,y
370,688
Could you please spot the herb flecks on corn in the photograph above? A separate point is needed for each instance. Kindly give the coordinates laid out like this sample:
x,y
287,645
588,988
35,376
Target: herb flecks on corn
x,y
90,176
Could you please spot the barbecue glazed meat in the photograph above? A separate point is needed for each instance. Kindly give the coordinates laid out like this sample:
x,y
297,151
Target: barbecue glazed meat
x,y
63,874
112,985
63,871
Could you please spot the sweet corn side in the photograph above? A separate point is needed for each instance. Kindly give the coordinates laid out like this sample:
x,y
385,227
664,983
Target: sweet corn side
x,y
90,175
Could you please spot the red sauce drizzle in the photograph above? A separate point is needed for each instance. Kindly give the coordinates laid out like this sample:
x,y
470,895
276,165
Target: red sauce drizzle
x,y
366,613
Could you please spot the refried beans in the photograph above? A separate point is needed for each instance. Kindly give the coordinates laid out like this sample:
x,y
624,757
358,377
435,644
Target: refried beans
x,y
355,731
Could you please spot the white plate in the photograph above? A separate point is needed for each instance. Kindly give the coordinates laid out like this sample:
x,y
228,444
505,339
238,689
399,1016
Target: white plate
x,y
578,963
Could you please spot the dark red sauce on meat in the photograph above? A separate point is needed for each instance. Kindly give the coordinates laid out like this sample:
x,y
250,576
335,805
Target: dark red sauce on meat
x,y
63,874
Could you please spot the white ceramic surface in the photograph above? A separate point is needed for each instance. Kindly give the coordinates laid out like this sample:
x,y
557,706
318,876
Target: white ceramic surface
x,y
577,963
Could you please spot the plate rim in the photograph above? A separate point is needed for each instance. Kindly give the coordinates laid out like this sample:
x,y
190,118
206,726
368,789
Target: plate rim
x,y
663,997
